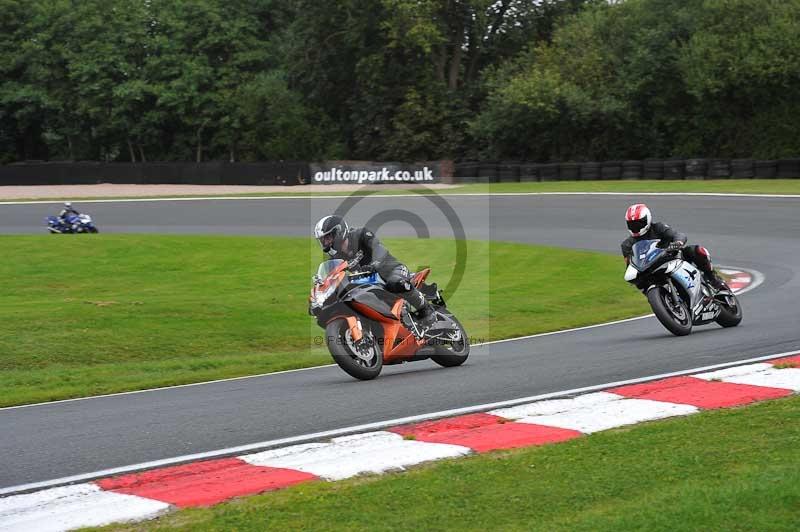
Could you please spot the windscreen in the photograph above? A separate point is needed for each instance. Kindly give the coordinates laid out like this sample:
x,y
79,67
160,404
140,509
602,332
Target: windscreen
x,y
645,253
327,267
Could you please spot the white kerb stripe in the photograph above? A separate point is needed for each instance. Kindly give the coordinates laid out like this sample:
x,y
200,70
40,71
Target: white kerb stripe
x,y
371,426
71,507
348,456
757,375
597,411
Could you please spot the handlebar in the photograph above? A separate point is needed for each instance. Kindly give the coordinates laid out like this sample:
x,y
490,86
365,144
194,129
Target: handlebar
x,y
352,263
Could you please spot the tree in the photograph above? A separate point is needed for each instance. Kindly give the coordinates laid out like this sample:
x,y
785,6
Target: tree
x,y
652,78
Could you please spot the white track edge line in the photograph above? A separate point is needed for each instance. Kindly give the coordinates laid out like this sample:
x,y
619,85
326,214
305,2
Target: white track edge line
x,y
758,278
244,449
431,193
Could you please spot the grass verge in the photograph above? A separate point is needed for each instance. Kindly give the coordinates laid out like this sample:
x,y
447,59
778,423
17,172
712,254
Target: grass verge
x,y
735,469
110,313
721,186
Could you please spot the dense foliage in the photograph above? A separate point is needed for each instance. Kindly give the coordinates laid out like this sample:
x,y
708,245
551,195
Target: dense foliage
x,y
140,80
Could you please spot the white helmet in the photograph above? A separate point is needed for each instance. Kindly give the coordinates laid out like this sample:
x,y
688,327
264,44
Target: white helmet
x,y
638,218
330,232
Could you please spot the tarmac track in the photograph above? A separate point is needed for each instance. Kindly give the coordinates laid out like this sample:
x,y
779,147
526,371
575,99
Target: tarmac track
x,y
55,440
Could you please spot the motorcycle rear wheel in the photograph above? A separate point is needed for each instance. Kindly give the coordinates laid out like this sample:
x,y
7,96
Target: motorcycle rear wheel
x,y
677,320
456,353
363,366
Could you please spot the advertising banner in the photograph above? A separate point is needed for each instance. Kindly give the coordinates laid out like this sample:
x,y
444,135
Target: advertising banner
x,y
371,173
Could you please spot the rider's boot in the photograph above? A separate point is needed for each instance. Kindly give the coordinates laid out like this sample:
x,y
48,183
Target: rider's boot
x,y
715,281
426,316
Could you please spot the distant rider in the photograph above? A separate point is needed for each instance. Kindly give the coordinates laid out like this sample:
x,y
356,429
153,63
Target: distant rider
x,y
66,211
641,227
340,241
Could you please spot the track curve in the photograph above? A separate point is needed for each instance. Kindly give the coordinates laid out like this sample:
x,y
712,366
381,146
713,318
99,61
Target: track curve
x,y
61,439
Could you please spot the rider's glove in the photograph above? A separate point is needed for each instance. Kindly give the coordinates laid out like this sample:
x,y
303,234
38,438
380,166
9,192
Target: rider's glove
x,y
373,266
675,246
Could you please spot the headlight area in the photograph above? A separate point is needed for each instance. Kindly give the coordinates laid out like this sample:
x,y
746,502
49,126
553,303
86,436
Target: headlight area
x,y
320,296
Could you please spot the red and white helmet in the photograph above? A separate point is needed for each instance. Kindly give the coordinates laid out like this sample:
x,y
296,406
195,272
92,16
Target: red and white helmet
x,y
638,218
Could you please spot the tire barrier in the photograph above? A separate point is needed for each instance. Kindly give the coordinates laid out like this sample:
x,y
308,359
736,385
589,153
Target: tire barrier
x,y
590,171
550,172
719,169
487,172
611,170
508,172
653,169
210,173
632,170
788,168
570,172
696,168
529,172
742,169
650,169
766,169
299,173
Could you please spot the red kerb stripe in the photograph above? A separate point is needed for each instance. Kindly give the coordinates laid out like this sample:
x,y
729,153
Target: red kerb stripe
x,y
700,393
204,483
485,432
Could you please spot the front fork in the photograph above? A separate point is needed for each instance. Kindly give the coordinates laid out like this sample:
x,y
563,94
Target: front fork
x,y
354,325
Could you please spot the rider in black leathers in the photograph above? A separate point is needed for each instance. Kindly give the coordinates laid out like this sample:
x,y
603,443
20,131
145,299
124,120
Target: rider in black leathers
x,y
340,241
641,227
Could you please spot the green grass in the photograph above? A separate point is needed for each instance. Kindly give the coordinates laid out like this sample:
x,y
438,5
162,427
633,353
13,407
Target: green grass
x,y
729,186
108,313
735,469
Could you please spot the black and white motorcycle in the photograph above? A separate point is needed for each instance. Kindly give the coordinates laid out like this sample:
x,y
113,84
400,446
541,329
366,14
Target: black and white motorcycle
x,y
677,291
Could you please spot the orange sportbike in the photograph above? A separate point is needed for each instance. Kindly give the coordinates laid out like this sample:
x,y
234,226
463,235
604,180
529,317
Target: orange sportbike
x,y
367,327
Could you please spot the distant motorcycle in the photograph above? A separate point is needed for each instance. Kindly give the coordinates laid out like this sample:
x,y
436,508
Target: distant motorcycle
x,y
368,327
74,223
677,291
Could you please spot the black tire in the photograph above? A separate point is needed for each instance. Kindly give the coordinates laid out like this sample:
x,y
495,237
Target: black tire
x,y
677,321
94,230
337,337
451,356
729,316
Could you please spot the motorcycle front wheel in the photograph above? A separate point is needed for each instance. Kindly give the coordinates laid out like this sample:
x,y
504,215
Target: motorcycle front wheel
x,y
453,351
730,313
362,360
675,317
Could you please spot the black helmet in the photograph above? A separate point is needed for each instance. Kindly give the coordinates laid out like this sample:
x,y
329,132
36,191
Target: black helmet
x,y
331,231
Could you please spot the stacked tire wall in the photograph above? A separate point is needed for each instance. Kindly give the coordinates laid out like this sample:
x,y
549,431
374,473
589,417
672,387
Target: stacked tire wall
x,y
298,173
671,169
210,173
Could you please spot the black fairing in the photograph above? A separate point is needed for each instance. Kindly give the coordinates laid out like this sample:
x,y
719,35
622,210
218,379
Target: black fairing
x,y
373,296
326,313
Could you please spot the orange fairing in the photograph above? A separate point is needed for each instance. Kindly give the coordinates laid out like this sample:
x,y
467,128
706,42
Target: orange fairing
x,y
394,331
333,279
420,277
